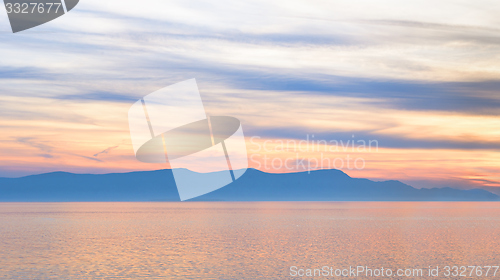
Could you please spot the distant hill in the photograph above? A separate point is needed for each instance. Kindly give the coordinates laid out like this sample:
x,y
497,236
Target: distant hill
x,y
254,185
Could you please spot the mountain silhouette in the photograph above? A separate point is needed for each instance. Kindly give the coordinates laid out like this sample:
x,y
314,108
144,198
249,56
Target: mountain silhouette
x,y
254,185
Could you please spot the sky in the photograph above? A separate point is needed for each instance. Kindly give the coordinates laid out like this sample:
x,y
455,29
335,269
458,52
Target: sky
x,y
418,78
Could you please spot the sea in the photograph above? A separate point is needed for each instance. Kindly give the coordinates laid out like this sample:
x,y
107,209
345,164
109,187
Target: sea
x,y
250,240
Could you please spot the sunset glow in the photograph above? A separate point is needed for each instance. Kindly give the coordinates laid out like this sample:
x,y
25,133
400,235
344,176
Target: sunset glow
x,y
429,97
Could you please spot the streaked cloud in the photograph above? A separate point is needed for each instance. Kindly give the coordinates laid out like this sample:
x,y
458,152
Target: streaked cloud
x,y
105,151
423,82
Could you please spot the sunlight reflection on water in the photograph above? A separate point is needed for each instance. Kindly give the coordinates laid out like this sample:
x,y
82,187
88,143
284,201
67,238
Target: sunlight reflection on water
x,y
239,240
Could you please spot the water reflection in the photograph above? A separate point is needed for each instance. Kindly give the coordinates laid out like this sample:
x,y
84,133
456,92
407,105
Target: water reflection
x,y
228,240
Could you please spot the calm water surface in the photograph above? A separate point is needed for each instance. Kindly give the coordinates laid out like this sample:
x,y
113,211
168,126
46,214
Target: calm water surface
x,y
234,240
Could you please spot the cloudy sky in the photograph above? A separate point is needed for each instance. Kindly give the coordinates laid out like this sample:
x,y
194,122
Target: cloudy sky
x,y
419,77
